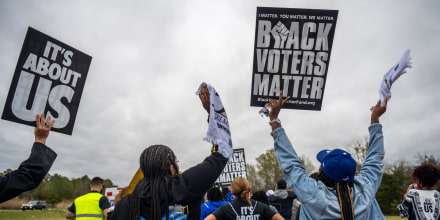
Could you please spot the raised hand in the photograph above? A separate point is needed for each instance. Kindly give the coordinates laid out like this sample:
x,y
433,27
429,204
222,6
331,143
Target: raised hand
x,y
42,128
378,110
204,97
276,106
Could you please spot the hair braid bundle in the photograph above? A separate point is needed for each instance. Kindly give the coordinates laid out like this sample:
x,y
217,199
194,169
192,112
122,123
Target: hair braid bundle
x,y
343,194
154,163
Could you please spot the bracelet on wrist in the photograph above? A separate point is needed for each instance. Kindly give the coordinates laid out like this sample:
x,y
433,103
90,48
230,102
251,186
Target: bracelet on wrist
x,y
276,120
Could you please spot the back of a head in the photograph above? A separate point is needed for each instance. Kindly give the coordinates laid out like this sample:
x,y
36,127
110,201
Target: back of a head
x,y
154,162
427,174
96,181
281,184
337,164
214,194
241,189
260,196
338,169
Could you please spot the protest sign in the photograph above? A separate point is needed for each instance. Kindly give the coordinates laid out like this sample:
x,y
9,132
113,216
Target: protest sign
x,y
292,53
235,168
49,78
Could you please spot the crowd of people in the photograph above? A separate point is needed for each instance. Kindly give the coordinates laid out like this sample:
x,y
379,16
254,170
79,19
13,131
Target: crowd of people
x,y
334,193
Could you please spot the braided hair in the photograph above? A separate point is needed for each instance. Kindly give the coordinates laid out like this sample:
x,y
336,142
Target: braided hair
x,y
241,189
343,194
154,162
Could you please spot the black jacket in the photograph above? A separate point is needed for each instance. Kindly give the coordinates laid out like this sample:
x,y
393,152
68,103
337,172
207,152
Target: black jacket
x,y
29,174
283,201
187,188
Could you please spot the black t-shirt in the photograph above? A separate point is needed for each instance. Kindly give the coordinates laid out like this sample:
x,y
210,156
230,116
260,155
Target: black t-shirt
x,y
240,209
103,204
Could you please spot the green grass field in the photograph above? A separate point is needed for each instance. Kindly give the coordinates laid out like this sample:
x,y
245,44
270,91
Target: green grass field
x,y
394,218
55,214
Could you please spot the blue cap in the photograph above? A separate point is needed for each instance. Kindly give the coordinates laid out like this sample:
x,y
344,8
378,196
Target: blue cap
x,y
337,164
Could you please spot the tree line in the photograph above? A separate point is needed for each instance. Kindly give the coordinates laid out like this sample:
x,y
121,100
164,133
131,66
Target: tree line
x,y
56,188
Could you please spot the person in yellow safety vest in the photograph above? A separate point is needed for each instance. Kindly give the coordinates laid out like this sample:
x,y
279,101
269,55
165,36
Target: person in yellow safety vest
x,y
91,206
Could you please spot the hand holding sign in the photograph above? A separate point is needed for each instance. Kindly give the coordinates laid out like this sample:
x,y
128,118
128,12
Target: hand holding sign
x,y
218,128
378,110
204,96
276,106
42,128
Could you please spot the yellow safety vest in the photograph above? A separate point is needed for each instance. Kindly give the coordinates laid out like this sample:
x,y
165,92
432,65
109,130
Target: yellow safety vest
x,y
87,207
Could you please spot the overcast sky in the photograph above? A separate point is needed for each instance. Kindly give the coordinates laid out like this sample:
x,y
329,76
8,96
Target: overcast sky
x,y
149,58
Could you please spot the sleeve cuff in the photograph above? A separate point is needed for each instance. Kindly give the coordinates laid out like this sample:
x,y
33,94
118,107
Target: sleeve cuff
x,y
375,127
277,132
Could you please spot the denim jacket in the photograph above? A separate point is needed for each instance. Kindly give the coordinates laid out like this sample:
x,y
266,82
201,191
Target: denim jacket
x,y
320,202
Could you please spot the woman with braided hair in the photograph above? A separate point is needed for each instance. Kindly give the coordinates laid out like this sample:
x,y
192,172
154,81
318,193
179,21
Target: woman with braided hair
x,y
338,194
243,207
163,186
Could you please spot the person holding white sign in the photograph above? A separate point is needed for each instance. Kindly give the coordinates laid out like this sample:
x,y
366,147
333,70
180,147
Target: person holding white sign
x,y
31,172
338,193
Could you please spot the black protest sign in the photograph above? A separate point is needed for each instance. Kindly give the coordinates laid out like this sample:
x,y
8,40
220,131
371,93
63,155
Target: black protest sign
x,y
292,53
49,78
235,168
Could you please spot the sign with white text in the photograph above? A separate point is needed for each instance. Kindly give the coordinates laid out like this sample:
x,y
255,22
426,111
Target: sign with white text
x,y
292,53
49,78
235,168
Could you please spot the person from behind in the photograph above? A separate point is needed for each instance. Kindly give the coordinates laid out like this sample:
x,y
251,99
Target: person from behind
x,y
243,207
339,193
282,199
214,196
421,200
32,171
163,186
92,205
261,196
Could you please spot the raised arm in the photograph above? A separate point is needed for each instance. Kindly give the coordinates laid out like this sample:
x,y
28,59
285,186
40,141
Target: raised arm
x,y
293,170
372,168
31,172
211,167
276,106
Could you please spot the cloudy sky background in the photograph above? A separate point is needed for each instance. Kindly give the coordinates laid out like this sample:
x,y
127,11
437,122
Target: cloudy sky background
x,y
149,57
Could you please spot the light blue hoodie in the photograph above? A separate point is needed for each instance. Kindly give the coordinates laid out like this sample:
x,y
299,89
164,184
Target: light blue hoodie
x,y
319,202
